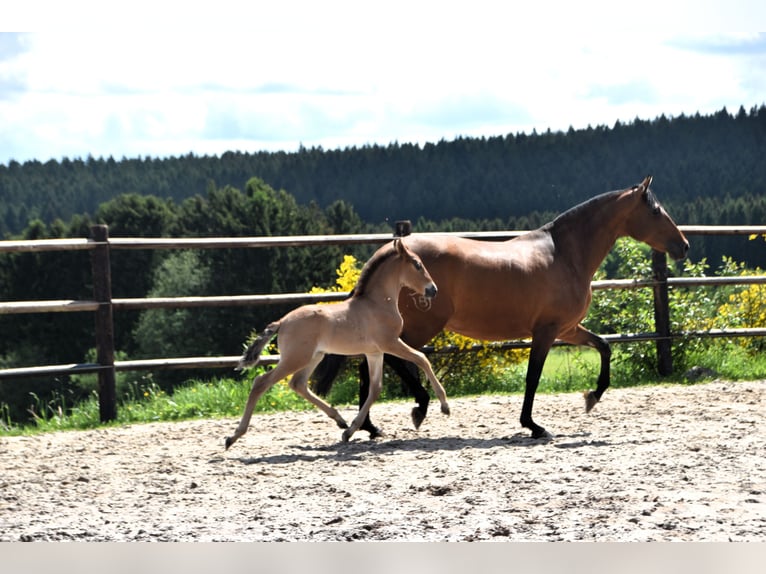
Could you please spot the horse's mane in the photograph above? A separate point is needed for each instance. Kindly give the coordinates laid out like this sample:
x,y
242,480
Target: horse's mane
x,y
369,270
588,205
593,203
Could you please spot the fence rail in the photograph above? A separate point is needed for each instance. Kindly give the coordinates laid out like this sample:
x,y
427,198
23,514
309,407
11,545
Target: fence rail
x,y
100,245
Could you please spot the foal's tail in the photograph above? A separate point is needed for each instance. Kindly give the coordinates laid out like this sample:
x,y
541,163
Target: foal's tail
x,y
253,353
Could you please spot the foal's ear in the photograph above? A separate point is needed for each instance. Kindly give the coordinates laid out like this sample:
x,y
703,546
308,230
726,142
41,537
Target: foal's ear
x,y
399,246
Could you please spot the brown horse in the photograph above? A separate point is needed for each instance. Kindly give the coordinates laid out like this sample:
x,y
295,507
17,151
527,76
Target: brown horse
x,y
367,323
536,285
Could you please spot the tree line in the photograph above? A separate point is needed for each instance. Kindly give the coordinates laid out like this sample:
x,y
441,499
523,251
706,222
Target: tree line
x,y
717,157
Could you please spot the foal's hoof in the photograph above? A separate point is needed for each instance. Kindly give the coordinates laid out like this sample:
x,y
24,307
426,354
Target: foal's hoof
x,y
445,409
418,417
229,442
342,424
590,400
346,435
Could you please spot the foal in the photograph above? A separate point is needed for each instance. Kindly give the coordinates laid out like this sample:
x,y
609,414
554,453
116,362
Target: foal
x,y
368,323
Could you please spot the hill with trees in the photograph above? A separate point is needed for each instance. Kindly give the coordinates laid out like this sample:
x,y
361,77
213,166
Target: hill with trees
x,y
701,164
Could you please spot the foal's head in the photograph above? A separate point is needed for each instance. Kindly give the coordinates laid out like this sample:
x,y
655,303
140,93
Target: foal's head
x,y
413,273
650,223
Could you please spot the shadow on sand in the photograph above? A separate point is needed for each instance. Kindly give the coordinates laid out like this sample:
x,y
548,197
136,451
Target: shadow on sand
x,y
360,450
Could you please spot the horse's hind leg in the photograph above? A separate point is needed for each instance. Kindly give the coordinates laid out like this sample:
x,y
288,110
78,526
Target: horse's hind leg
x,y
299,383
375,364
410,376
582,336
402,350
364,392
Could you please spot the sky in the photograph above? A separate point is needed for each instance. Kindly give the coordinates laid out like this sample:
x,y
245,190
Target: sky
x,y
168,79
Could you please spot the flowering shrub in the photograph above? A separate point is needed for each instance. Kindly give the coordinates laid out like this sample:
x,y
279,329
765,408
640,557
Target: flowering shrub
x,y
348,274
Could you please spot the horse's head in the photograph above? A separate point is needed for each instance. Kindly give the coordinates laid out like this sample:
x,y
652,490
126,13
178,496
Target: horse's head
x,y
649,222
414,274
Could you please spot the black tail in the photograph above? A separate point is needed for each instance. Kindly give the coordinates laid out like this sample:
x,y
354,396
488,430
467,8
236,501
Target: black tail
x,y
253,353
326,372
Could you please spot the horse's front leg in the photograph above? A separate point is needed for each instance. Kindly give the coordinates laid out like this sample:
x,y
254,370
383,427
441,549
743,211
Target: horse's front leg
x,y
581,336
542,341
375,364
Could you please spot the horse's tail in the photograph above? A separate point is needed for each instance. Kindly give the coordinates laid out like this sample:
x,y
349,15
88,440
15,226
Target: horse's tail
x,y
325,373
253,353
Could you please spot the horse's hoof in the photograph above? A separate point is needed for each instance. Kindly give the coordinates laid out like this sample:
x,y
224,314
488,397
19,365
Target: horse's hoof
x,y
418,417
590,400
374,431
445,409
229,442
541,433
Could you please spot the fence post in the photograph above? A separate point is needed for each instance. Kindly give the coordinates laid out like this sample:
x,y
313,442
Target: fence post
x,y
102,293
662,313
402,228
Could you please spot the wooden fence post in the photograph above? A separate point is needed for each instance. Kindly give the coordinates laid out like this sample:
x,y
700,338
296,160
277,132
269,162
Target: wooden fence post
x,y
662,313
402,228
102,293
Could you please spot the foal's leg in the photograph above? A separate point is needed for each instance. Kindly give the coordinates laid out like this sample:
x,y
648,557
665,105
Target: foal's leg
x,y
261,384
410,375
402,350
299,383
581,336
375,363
364,392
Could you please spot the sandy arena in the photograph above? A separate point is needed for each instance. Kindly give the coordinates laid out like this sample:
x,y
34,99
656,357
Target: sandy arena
x,y
664,463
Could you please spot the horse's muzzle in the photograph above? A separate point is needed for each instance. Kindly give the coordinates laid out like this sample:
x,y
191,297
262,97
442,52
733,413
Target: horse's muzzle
x,y
431,291
679,250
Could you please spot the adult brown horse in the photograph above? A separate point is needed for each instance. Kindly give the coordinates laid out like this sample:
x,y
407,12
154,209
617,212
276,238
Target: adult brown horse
x,y
536,285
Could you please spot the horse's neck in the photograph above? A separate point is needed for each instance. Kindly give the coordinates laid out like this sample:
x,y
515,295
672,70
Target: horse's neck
x,y
587,236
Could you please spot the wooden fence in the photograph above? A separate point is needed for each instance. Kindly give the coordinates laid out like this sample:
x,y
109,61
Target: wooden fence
x,y
103,305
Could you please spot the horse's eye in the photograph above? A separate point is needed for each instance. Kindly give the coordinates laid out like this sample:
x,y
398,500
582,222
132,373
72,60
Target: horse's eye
x,y
418,265
656,209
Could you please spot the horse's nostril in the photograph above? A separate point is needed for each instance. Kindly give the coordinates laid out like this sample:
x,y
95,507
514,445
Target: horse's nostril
x,y
431,291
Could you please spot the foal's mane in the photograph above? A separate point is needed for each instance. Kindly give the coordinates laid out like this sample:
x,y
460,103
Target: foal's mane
x,y
369,270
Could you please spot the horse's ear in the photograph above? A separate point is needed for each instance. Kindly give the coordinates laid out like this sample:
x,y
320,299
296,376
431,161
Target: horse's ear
x,y
646,183
398,246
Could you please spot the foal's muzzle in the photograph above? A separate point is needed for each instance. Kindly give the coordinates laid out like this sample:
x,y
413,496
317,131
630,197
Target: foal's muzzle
x,y
431,291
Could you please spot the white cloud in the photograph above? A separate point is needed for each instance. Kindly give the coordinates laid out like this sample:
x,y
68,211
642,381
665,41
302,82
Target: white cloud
x,y
342,74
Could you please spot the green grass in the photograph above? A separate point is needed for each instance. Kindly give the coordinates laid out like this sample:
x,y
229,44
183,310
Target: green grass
x,y
567,369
